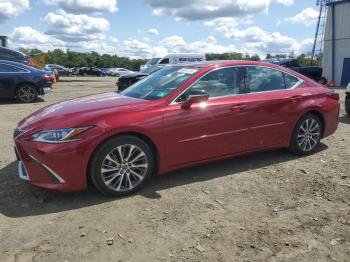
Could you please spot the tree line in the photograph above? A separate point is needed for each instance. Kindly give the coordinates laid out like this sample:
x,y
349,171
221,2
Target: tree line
x,y
71,58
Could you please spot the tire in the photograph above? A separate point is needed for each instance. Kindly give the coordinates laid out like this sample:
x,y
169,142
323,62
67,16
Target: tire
x,y
306,135
123,177
347,105
117,75
26,93
322,81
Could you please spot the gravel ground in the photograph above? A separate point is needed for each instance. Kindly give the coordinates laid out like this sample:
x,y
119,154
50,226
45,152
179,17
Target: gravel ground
x,y
270,206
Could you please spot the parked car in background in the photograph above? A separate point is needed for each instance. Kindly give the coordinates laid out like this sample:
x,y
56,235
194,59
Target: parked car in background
x,y
106,71
181,58
347,100
179,116
151,62
129,79
59,70
15,56
23,82
120,72
313,72
93,71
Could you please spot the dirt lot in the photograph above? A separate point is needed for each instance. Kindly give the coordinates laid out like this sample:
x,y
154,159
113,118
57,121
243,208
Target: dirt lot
x,y
270,206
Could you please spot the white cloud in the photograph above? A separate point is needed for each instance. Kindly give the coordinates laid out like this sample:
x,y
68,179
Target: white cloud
x,y
209,9
308,17
153,31
85,6
72,28
11,8
285,2
28,37
255,39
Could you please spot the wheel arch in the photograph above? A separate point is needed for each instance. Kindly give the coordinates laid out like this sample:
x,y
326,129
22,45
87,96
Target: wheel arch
x,y
139,135
25,83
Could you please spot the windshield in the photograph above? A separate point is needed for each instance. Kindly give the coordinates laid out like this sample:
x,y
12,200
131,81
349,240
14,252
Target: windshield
x,y
152,61
161,83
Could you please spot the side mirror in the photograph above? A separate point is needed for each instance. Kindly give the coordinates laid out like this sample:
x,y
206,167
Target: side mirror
x,y
195,96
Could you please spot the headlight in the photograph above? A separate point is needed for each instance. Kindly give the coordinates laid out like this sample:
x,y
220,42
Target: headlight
x,y
59,135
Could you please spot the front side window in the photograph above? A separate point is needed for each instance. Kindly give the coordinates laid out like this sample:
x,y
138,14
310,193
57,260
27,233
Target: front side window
x,y
161,83
261,79
220,82
5,68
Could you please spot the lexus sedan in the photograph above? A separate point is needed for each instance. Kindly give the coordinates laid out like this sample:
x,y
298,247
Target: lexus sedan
x,y
179,116
23,82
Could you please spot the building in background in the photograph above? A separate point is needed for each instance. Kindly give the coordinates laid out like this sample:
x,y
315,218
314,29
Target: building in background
x,y
336,47
3,40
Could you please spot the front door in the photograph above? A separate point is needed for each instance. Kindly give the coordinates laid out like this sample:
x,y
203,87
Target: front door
x,y
207,130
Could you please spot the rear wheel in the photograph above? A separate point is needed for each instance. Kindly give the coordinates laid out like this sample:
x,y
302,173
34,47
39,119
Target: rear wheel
x,y
26,94
117,75
306,135
121,166
347,105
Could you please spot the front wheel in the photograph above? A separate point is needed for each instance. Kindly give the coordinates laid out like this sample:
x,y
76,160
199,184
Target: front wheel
x,y
306,135
121,166
27,94
347,105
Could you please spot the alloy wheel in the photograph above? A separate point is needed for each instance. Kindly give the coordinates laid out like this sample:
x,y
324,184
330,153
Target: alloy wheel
x,y
309,134
124,168
27,94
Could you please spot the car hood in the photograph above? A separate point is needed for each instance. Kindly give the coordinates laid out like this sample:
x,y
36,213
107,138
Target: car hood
x,y
133,75
79,111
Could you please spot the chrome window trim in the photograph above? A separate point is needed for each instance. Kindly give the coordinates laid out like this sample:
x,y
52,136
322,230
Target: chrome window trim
x,y
26,71
173,102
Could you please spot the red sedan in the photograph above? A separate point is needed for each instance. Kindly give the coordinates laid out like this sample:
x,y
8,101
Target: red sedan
x,y
179,116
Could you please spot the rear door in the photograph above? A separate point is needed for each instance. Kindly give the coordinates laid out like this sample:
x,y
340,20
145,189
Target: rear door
x,y
272,105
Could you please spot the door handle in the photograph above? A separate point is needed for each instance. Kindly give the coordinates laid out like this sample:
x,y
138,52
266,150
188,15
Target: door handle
x,y
238,108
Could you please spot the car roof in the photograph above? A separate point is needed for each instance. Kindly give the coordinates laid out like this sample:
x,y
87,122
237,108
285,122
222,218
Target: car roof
x,y
223,63
12,63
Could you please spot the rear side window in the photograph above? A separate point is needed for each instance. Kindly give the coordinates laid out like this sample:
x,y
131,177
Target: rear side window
x,y
5,68
290,80
261,79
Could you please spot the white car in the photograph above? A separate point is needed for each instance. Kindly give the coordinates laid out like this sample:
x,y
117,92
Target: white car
x,y
119,72
347,100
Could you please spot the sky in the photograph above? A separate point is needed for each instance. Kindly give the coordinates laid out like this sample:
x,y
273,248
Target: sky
x,y
154,28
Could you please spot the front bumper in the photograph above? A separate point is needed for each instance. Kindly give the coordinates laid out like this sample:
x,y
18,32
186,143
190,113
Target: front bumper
x,y
55,167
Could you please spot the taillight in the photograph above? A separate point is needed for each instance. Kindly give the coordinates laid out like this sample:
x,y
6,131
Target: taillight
x,y
333,95
30,62
48,77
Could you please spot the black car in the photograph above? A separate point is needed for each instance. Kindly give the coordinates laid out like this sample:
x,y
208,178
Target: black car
x,y
15,56
313,72
23,82
127,80
93,71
